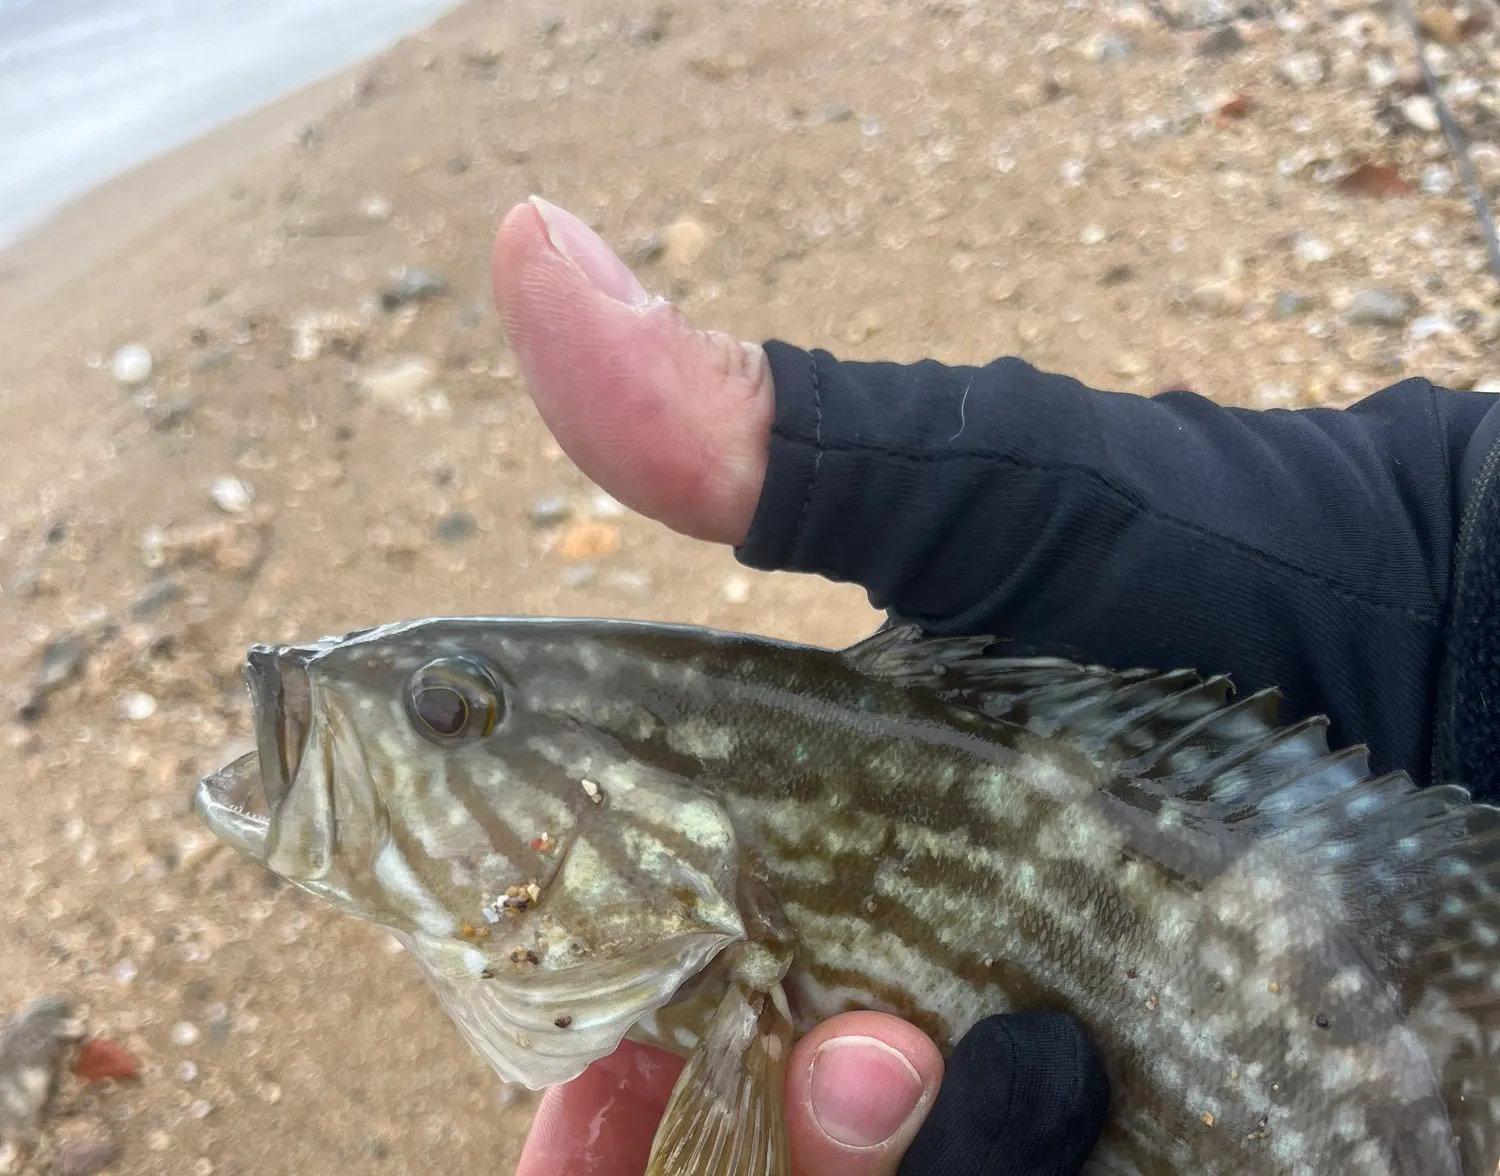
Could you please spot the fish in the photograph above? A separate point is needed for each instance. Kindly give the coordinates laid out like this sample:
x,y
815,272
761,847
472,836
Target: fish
x,y
592,831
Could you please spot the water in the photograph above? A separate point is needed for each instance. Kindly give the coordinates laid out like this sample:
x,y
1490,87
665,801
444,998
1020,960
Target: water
x,y
89,88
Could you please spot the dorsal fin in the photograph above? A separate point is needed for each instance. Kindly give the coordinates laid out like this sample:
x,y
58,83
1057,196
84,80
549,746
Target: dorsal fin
x,y
1420,868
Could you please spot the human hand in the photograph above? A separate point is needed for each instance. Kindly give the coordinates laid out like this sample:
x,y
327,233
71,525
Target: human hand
x,y
676,424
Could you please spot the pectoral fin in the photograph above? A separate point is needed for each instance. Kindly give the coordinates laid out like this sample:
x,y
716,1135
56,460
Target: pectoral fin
x,y
726,1116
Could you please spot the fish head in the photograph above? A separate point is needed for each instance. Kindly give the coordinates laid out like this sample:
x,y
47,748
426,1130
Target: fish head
x,y
457,782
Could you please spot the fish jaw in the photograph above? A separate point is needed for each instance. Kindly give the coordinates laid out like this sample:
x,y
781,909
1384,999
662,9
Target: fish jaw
x,y
222,800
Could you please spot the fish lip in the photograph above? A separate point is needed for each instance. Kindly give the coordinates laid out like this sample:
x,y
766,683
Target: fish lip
x,y
281,701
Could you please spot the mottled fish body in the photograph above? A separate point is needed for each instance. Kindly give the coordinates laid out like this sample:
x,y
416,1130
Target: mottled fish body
x,y
590,830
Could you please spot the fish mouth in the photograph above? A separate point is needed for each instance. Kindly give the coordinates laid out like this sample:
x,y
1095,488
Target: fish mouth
x,y
281,702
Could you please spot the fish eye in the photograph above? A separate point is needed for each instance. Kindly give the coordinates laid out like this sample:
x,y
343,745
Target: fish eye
x,y
455,700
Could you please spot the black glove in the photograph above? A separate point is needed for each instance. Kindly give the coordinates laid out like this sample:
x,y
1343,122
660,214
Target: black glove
x,y
1024,1095
1310,551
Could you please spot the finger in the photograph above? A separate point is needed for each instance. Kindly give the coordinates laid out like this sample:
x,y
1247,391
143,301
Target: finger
x,y
602,1123
858,1088
672,421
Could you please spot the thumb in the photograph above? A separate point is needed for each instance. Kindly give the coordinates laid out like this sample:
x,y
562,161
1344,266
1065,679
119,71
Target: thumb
x,y
858,1087
672,421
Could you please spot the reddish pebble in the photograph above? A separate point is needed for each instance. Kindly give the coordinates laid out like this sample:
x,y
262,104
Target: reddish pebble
x,y
101,1059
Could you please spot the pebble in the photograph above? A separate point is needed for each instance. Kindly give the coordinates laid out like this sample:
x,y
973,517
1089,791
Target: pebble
x,y
1421,112
399,384
1222,42
414,285
84,1157
1287,305
1312,250
1094,235
1303,70
831,112
187,1071
589,541
203,1166
231,495
185,1033
549,511
1488,384
604,506
1106,48
1429,325
132,365
683,242
376,208
154,598
1437,180
137,706
735,589
124,972
455,526
1378,308
1221,296
32,1053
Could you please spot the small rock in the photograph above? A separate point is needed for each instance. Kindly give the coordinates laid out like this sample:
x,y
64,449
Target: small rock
x,y
187,1071
124,972
579,575
231,495
1222,42
155,598
735,589
589,541
132,365
550,511
1222,296
1379,308
313,333
376,208
61,659
1441,25
1094,235
1488,384
631,580
1437,180
1287,305
1107,48
33,1045
185,1033
1312,250
683,242
414,285
137,706
84,1157
399,384
605,506
1421,112
1303,70
455,526
831,112
1429,325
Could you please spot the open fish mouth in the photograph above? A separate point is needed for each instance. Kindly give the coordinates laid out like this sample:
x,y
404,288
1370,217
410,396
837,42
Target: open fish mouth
x,y
281,701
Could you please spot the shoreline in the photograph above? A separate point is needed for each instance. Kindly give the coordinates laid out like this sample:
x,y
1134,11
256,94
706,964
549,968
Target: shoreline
x,y
56,252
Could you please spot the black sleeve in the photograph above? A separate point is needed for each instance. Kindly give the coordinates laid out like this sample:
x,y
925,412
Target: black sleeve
x,y
1310,550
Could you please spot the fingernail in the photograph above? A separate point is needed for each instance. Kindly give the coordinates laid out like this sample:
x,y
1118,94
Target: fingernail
x,y
582,246
862,1090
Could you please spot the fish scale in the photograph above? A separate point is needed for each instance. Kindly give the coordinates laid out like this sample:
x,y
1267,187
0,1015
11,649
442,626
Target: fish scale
x,y
1289,966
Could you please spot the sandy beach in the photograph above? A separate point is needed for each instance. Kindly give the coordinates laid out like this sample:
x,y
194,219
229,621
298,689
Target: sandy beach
x,y
1138,206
